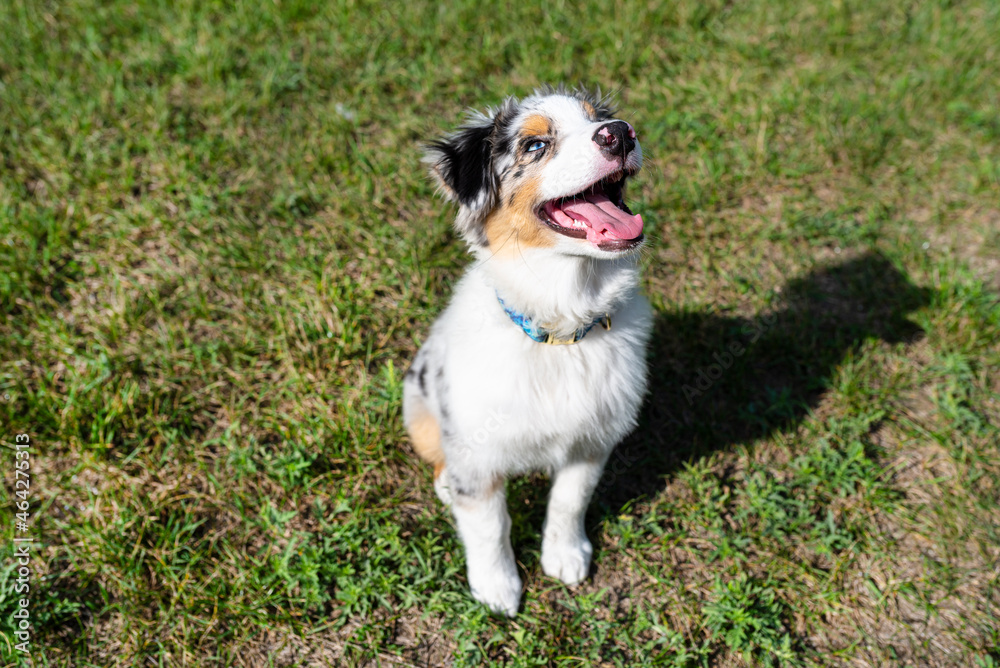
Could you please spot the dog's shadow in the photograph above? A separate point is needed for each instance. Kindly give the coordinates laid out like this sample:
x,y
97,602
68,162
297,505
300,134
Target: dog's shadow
x,y
718,381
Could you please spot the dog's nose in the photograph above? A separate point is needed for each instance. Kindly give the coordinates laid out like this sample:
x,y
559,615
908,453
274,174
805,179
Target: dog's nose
x,y
616,139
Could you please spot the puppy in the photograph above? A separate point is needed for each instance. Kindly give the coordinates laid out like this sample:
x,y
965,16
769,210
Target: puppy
x,y
538,363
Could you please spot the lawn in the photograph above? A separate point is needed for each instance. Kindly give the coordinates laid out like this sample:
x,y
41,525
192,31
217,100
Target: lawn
x,y
219,251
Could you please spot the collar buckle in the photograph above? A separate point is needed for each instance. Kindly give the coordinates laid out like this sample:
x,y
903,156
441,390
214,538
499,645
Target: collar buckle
x,y
553,341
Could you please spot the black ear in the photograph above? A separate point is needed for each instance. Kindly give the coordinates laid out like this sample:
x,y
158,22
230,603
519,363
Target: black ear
x,y
463,163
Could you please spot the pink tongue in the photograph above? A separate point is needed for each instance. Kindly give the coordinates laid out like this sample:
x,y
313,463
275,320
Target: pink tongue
x,y
604,220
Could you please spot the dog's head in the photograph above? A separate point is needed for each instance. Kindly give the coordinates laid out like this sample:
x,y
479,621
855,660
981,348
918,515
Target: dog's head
x,y
545,172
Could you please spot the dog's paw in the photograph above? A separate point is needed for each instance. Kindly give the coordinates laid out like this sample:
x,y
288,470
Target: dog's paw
x,y
499,590
568,561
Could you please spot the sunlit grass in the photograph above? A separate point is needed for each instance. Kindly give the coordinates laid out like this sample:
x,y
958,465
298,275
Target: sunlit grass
x,y
219,251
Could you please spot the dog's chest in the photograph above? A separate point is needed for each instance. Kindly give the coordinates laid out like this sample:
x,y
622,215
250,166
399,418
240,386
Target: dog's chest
x,y
530,405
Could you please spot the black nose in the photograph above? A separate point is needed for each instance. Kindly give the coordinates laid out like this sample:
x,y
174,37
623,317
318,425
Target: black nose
x,y
616,139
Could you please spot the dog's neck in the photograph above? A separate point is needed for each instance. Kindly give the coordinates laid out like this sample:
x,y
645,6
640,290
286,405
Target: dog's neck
x,y
562,292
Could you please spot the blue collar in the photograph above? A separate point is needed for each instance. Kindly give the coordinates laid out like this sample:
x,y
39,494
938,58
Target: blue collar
x,y
542,335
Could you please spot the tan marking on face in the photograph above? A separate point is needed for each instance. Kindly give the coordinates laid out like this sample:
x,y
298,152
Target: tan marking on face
x,y
426,438
589,108
536,126
513,224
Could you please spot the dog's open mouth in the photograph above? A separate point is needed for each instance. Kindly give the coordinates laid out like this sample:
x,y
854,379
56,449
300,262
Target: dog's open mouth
x,y
598,214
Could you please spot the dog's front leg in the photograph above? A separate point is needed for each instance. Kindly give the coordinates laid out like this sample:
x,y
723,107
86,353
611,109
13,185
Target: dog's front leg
x,y
566,551
480,509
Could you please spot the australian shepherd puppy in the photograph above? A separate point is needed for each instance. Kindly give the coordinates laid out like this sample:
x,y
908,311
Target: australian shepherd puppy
x,y
538,363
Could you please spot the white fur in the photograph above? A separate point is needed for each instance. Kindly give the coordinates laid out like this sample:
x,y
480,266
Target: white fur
x,y
508,405
564,400
517,406
579,162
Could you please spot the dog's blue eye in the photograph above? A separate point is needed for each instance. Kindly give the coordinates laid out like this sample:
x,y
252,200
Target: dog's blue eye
x,y
536,146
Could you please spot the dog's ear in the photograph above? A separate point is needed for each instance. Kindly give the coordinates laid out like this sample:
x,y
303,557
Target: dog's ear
x,y
462,163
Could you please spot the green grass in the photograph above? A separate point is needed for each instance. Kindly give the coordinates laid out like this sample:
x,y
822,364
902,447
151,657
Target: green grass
x,y
219,251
